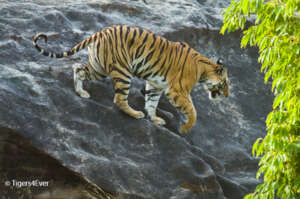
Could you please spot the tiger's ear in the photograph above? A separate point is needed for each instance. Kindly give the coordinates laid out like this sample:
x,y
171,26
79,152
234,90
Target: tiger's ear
x,y
220,61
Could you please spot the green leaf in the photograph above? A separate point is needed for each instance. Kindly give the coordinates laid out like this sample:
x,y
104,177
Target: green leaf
x,y
255,146
294,147
277,82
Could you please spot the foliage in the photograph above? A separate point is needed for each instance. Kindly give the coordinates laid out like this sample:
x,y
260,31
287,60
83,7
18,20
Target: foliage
x,y
274,28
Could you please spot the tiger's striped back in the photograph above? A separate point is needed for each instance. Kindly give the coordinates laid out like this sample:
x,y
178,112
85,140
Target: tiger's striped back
x,y
141,53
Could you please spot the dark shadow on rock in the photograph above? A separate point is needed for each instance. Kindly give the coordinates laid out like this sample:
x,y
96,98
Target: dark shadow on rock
x,y
27,172
231,189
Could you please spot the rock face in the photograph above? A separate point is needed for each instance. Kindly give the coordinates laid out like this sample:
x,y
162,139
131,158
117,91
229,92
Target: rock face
x,y
133,158
27,172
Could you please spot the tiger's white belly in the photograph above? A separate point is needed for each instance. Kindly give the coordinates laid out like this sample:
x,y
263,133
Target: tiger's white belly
x,y
157,82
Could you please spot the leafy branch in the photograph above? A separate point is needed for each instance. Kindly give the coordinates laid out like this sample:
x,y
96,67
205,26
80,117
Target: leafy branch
x,y
275,30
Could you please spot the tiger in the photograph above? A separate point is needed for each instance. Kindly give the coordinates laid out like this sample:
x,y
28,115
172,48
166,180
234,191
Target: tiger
x,y
173,68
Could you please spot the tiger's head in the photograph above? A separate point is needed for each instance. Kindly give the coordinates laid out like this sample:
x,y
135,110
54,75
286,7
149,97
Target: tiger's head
x,y
215,79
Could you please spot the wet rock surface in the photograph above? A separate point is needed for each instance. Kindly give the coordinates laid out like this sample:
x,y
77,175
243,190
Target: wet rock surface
x,y
93,137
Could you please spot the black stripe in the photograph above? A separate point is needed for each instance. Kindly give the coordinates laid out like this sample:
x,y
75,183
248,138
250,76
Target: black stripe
x,y
122,80
95,38
121,31
167,71
170,54
162,65
145,39
132,39
97,45
83,44
149,91
37,47
115,36
105,54
176,51
126,68
76,48
138,66
160,42
169,66
140,73
149,56
120,91
122,73
142,51
153,94
167,43
96,72
137,51
102,76
140,31
162,49
110,41
153,65
155,74
127,32
88,40
182,69
147,75
205,62
187,54
121,37
110,30
154,40
158,59
180,54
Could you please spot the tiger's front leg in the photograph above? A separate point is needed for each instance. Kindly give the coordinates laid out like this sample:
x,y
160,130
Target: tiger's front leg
x,y
185,105
80,74
152,96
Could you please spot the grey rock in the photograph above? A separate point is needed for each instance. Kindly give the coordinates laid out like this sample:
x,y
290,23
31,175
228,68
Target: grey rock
x,y
27,172
134,158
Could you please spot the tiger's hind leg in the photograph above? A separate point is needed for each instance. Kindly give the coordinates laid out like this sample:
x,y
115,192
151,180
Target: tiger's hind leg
x,y
81,73
152,96
185,105
121,87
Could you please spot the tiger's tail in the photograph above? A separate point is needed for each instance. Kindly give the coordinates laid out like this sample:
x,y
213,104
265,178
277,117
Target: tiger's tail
x,y
78,47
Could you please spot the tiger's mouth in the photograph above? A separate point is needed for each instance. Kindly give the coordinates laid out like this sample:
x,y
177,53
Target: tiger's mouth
x,y
215,94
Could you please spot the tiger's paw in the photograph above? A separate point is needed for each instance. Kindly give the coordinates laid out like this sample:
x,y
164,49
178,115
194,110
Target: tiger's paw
x,y
138,114
158,120
184,129
83,94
